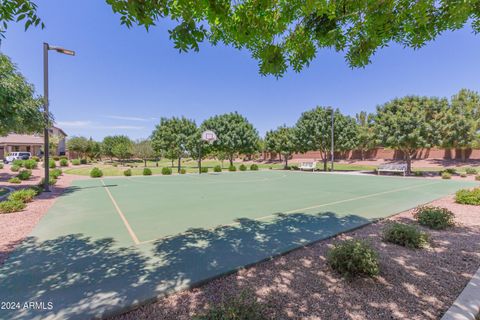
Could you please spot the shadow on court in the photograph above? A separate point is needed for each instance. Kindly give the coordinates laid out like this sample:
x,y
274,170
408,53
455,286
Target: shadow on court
x,y
83,277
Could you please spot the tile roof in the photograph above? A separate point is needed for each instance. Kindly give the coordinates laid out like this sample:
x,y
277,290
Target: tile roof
x,y
14,138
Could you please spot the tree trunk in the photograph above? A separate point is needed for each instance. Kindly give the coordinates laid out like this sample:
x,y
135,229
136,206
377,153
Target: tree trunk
x,y
286,161
231,160
144,162
179,164
156,163
362,154
463,154
408,157
172,163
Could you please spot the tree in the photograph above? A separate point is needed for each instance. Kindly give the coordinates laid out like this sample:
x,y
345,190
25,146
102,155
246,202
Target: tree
x,y
313,132
122,149
94,149
173,137
20,109
281,141
366,133
78,145
142,149
53,142
461,121
409,124
235,134
283,34
109,143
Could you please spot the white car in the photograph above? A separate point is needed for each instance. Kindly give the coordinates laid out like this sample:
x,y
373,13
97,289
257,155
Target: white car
x,y
17,156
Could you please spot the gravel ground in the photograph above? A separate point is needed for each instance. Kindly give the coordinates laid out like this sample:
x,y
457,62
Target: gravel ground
x,y
413,284
16,226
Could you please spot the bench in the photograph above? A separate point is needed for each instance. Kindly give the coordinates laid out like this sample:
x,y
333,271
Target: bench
x,y
308,165
402,168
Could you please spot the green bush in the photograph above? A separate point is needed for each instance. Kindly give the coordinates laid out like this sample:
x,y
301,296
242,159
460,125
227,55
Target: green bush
x,y
10,206
127,172
471,171
466,196
63,157
55,173
353,258
14,180
30,164
52,164
83,161
18,163
446,175
15,168
1,165
147,172
463,175
35,158
183,171
254,167
232,168
96,173
24,195
405,235
204,169
51,181
56,158
217,168
295,168
166,171
418,173
452,171
38,189
75,162
64,162
242,307
434,217
24,174
242,167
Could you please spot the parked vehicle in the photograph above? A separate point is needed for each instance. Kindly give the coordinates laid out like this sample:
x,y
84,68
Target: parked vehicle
x,y
17,156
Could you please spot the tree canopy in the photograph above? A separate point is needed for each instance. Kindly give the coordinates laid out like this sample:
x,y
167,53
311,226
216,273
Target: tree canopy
x,y
143,149
286,34
366,134
20,109
78,145
118,146
235,134
281,141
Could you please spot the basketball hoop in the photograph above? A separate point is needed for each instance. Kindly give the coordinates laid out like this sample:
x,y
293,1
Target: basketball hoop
x,y
209,136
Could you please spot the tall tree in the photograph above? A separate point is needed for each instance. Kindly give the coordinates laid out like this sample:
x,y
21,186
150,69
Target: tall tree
x,y
409,124
462,121
143,149
281,141
235,134
79,145
94,150
366,133
53,142
313,132
173,137
20,109
123,148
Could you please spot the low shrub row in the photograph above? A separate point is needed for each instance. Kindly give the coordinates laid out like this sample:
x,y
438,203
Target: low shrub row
x,y
470,197
17,200
24,174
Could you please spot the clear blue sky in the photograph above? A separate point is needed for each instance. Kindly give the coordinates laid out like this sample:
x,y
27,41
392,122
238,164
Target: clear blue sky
x,y
122,81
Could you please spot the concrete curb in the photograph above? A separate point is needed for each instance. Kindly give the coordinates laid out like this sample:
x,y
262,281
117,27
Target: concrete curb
x,y
467,305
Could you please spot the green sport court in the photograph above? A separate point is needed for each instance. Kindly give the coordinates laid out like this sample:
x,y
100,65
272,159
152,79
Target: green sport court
x,y
110,244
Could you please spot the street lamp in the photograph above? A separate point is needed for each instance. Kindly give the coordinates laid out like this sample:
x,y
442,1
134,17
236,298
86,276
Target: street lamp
x,y
46,48
332,145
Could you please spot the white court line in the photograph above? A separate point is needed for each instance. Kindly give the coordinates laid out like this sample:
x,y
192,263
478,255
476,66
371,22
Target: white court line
x,y
122,216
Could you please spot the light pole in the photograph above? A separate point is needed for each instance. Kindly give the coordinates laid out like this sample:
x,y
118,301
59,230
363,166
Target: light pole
x,y
46,48
332,146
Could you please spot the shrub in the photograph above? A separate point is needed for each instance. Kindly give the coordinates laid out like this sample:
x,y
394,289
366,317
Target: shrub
x,y
217,168
204,169
64,162
463,175
405,235
15,168
241,307
14,180
254,167
55,173
147,172
446,175
52,164
83,161
11,206
434,217
35,158
353,258
452,171
51,181
471,171
477,178
75,162
127,172
232,168
18,163
56,158
63,157
166,171
466,196
24,195
38,189
1,165
96,173
183,171
295,167
418,173
24,174
242,167
30,164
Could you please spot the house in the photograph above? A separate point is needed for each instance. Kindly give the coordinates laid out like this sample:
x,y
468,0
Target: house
x,y
32,143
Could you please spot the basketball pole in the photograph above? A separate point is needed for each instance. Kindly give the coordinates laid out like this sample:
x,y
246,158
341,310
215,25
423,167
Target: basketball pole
x,y
200,157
